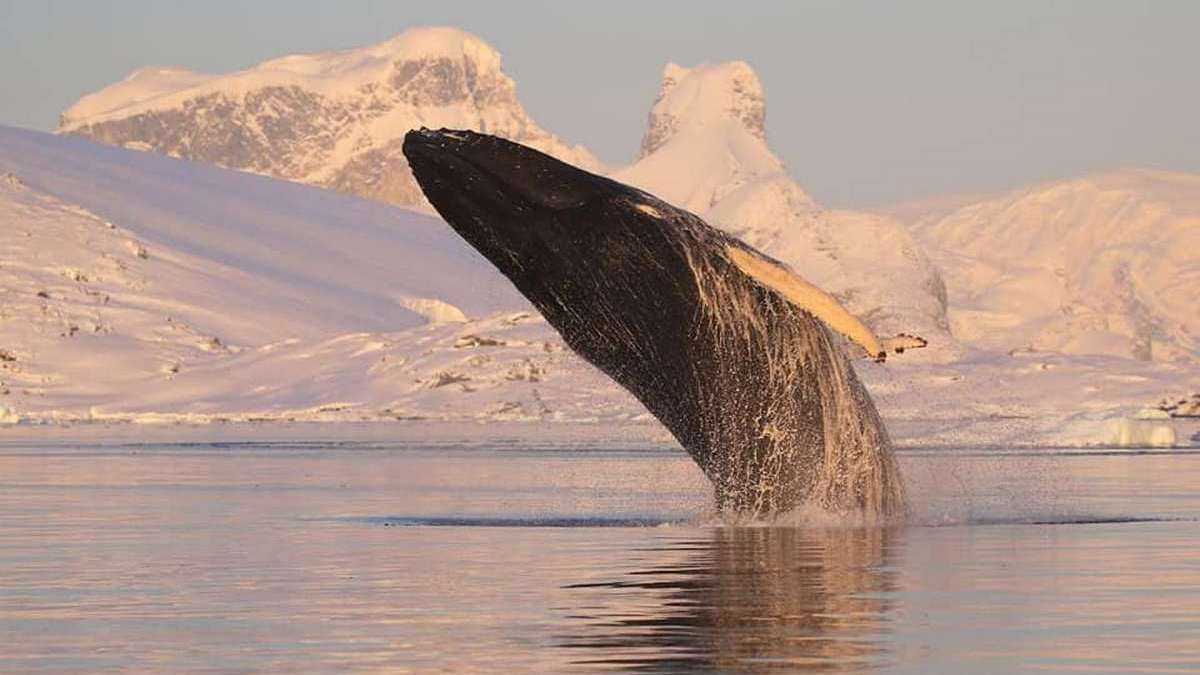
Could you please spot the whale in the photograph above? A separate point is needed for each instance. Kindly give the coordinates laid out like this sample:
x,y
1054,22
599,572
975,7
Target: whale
x,y
743,361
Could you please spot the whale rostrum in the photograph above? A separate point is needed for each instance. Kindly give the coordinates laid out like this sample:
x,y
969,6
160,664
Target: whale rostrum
x,y
740,358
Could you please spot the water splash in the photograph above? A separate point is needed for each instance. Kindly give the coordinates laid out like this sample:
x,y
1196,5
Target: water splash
x,y
819,442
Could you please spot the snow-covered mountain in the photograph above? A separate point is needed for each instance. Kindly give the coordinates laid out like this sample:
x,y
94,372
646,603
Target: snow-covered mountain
x,y
333,119
705,149
1107,264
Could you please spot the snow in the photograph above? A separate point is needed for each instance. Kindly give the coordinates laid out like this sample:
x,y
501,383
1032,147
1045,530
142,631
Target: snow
x,y
349,68
140,87
320,261
434,310
705,137
1038,399
1104,264
338,72
334,119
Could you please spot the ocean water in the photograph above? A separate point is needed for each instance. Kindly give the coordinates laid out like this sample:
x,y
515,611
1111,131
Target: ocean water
x,y
390,556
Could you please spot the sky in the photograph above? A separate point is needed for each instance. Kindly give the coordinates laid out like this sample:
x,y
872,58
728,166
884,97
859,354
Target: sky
x,y
868,103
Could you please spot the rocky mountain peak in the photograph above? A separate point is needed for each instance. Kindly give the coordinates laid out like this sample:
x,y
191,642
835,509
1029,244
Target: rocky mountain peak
x,y
706,96
334,119
705,150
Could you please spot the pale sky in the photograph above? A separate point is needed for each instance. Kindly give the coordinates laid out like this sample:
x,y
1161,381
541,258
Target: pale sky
x,y
868,103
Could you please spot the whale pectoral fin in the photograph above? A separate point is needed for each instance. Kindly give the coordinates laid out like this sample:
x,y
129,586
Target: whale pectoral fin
x,y
855,350
796,290
892,345
904,341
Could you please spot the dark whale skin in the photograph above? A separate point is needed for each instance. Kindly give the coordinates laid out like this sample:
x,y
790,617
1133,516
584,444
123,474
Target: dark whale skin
x,y
758,391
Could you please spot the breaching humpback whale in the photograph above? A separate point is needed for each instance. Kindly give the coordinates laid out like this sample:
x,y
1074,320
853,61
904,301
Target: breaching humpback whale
x,y
732,351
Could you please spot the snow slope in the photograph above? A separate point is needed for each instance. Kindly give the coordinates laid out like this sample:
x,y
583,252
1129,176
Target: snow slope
x,y
1106,264
334,119
705,149
317,260
136,285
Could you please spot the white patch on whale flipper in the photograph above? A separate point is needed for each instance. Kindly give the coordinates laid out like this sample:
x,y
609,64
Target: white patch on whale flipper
x,y
796,290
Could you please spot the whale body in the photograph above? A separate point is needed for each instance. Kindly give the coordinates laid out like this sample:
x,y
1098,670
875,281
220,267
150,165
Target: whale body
x,y
715,339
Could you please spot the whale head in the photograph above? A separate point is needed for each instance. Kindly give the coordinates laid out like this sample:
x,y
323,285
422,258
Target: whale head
x,y
557,231
572,242
753,385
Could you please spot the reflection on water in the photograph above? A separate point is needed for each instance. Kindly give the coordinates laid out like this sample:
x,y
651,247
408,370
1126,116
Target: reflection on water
x,y
747,599
394,558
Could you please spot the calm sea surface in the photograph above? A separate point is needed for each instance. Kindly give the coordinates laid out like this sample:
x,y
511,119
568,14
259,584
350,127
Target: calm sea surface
x,y
371,557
